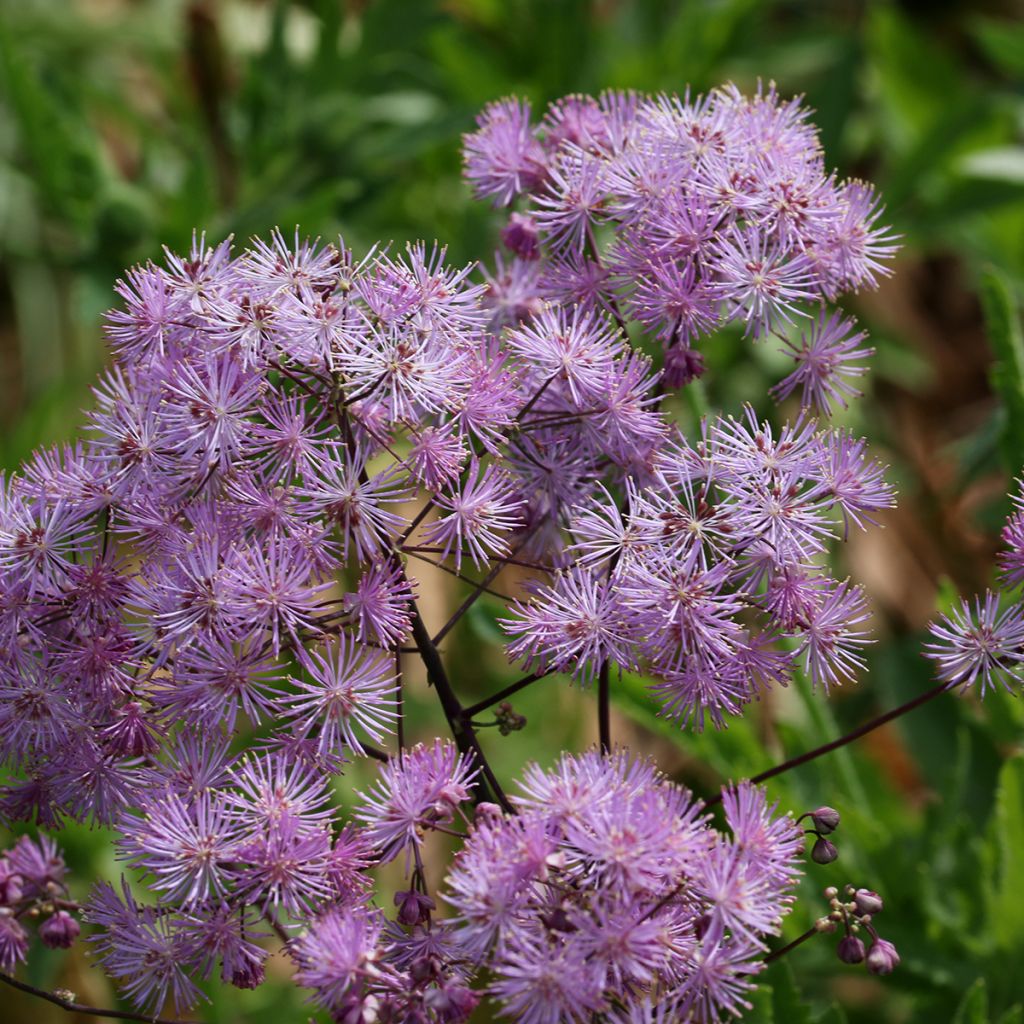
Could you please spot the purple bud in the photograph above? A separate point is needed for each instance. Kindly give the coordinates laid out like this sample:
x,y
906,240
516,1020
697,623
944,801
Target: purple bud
x,y
823,851
486,811
59,931
851,950
868,902
682,364
883,958
413,907
826,819
520,235
248,974
10,883
453,1003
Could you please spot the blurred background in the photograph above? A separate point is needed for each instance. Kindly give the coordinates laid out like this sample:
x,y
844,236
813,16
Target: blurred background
x,y
126,125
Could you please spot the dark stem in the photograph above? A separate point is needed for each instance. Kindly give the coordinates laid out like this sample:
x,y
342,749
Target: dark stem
x,y
72,1007
533,401
604,708
470,601
474,709
458,575
463,733
791,946
827,748
378,755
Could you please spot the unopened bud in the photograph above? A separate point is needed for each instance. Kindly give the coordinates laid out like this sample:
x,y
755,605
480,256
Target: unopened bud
x,y
248,974
823,851
883,958
867,902
851,950
59,931
522,236
486,811
824,924
10,883
826,819
413,907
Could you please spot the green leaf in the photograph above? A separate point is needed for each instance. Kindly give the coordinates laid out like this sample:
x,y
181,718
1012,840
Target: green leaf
x,y
1005,849
973,1008
1002,320
787,1003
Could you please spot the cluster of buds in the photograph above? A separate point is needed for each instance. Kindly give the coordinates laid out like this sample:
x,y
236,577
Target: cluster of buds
x,y
32,889
825,820
508,720
855,912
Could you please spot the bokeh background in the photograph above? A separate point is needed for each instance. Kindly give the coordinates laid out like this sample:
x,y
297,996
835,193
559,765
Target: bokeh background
x,y
126,125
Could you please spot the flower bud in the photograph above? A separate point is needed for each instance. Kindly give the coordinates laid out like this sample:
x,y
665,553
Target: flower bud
x,y
682,365
413,907
486,811
247,974
851,950
521,236
883,958
59,931
823,851
868,902
453,1002
10,883
826,820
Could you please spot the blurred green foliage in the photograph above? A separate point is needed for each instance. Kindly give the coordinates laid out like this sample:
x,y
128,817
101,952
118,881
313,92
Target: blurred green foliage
x,y
128,125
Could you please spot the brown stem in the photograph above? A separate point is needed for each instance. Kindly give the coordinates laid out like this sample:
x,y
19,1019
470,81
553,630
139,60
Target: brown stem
x,y
474,709
458,575
791,946
469,602
68,1003
827,748
462,730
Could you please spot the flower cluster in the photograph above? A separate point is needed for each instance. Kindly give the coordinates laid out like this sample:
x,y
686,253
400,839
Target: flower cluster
x,y
683,215
709,565
32,888
204,603
609,889
855,914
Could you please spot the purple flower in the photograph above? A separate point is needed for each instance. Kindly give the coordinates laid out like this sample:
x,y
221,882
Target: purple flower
x,y
503,157
476,515
979,644
350,685
826,360
336,955
421,788
188,849
573,625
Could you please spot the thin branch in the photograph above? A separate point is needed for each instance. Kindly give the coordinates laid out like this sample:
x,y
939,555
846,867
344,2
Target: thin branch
x,y
474,709
463,732
458,575
842,741
433,549
67,1003
470,601
378,755
810,933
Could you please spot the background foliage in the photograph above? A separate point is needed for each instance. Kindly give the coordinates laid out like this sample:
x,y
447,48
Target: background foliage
x,y
125,125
